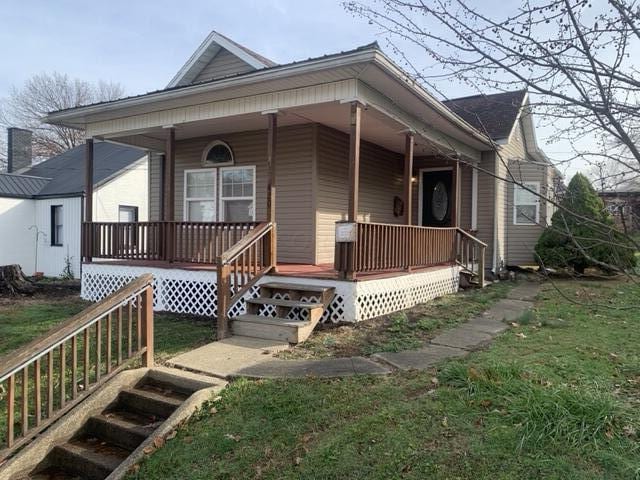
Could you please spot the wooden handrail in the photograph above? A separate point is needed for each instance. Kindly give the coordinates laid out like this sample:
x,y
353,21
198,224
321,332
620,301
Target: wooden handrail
x,y
470,254
241,266
471,237
58,349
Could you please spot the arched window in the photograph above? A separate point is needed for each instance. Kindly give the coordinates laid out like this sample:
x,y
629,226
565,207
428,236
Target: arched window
x,y
217,154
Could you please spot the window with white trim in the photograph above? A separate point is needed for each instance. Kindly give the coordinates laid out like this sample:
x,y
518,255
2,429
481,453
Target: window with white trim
x,y
200,195
526,205
237,194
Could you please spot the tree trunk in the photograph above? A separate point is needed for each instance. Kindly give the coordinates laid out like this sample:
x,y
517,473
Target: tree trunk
x,y
14,281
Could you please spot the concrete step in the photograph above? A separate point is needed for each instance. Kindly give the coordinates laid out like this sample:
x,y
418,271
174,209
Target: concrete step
x,y
89,457
147,402
54,473
119,430
271,328
284,303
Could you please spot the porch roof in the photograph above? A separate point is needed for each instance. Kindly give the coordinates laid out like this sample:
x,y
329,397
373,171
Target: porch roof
x,y
366,74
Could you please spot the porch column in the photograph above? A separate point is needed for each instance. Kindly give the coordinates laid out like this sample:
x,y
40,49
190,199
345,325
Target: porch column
x,y
408,175
455,211
354,161
272,131
88,198
169,192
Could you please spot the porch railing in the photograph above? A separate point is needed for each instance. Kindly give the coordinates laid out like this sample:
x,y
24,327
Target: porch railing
x,y
41,381
241,266
187,242
380,247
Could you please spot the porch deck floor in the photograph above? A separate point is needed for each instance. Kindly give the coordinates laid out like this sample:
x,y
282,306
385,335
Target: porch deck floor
x,y
303,270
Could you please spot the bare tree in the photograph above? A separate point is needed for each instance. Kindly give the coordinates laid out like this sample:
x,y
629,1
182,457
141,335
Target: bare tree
x,y
44,93
573,56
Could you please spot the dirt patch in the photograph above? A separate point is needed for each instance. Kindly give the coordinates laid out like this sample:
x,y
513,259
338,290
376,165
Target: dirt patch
x,y
47,291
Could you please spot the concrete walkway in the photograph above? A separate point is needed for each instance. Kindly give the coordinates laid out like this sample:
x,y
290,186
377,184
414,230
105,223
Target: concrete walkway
x,y
253,358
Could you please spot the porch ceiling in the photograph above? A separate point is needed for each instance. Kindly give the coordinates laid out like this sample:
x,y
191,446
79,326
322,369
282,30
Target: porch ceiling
x,y
377,127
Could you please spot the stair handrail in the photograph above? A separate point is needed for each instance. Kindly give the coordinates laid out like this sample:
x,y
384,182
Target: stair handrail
x,y
136,295
467,259
246,262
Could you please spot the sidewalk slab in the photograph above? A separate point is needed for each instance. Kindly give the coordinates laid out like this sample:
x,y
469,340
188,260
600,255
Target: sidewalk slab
x,y
325,368
507,310
526,291
464,337
420,359
226,357
487,325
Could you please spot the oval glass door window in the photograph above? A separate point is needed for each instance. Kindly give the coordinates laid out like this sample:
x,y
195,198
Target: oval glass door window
x,y
439,201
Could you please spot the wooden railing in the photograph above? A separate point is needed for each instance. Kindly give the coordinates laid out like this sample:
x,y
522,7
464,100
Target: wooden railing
x,y
188,242
380,247
44,379
470,255
241,266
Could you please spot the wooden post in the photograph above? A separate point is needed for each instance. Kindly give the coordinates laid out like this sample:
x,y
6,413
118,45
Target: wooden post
x,y
271,187
147,325
169,192
455,210
481,265
408,175
88,199
354,161
224,297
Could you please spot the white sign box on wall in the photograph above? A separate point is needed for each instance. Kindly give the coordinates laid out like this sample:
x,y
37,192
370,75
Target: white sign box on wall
x,y
346,232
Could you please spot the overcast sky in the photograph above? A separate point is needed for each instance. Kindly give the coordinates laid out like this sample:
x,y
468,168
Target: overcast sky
x,y
141,44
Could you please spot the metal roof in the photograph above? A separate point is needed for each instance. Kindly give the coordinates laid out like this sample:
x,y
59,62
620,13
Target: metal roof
x,y
63,175
20,186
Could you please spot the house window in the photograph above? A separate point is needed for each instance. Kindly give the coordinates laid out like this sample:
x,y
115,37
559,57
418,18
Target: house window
x,y
217,154
200,195
237,194
127,214
526,205
56,225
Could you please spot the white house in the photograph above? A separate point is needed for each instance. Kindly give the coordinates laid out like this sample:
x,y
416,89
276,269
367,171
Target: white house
x,y
41,206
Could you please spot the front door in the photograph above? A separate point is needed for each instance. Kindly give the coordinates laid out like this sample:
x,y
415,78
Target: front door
x,y
436,198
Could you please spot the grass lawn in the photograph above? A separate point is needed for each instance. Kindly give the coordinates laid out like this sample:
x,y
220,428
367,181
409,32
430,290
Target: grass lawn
x,y
398,331
555,398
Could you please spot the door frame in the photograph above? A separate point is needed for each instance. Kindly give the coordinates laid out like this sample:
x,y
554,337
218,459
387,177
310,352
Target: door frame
x,y
421,172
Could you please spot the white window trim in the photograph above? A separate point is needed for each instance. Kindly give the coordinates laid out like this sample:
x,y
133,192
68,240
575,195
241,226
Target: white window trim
x,y
186,200
252,198
537,204
207,149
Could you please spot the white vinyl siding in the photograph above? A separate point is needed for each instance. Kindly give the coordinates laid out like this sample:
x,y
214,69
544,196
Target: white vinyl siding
x,y
526,205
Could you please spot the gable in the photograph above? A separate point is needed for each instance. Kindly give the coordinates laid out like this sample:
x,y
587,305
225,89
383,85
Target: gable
x,y
217,57
223,64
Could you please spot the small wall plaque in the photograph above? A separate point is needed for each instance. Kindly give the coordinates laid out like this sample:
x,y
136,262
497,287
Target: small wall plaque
x,y
346,232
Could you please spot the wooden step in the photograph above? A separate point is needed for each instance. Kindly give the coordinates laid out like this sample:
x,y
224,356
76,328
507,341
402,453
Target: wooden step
x,y
91,458
295,287
272,328
279,302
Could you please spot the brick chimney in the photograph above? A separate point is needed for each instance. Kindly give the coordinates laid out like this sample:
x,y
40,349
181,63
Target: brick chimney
x,y
18,149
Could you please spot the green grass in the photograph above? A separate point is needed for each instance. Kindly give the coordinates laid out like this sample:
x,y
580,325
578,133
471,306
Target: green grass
x,y
399,331
556,398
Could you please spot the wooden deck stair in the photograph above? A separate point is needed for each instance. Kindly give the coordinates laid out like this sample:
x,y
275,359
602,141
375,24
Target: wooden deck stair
x,y
108,438
269,315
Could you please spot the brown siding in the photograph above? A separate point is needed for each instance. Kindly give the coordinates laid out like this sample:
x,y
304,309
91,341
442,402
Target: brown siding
x,y
486,203
223,64
294,214
380,181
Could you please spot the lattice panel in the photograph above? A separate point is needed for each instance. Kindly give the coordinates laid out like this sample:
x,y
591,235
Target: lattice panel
x,y
379,297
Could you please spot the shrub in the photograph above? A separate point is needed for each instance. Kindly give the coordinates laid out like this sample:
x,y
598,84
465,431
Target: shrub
x,y
582,233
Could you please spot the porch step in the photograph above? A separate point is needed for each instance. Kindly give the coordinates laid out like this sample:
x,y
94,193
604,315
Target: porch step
x,y
108,438
272,328
285,299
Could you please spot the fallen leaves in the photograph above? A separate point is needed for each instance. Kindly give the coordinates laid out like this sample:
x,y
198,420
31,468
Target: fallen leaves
x,y
235,438
521,335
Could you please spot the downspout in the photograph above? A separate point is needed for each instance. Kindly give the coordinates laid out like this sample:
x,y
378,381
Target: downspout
x,y
495,214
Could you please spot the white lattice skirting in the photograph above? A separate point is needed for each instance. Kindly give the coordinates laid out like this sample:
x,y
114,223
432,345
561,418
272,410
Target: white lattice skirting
x,y
195,291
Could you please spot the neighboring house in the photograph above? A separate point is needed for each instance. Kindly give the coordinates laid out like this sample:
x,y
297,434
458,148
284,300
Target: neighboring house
x,y
345,156
624,206
510,212
41,206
